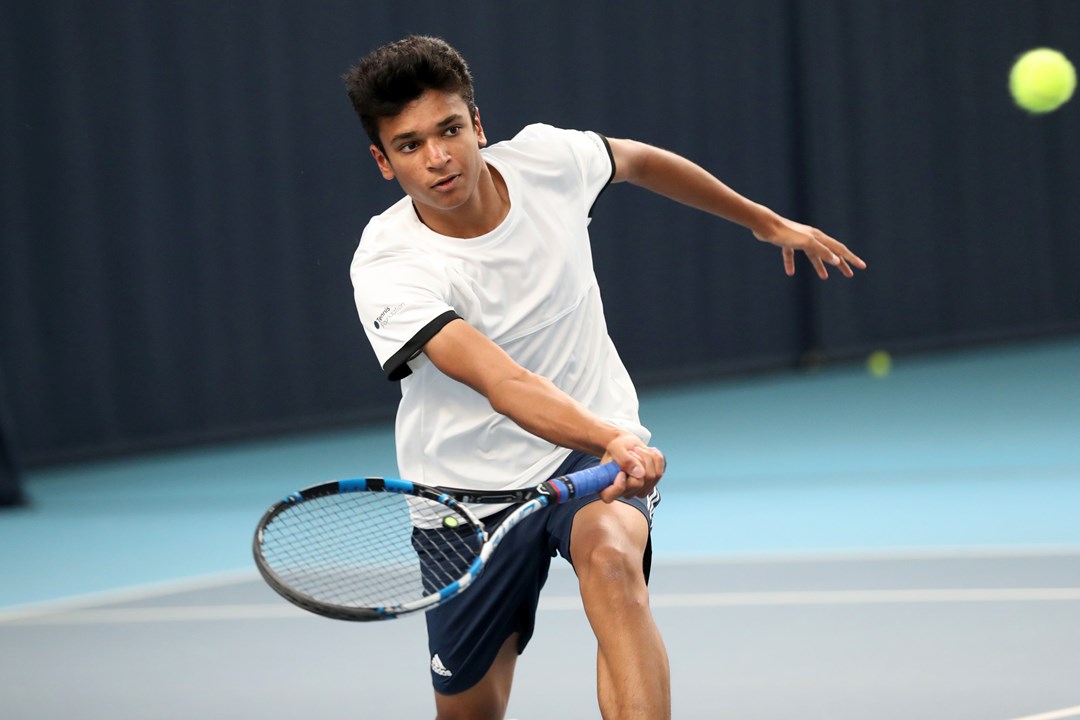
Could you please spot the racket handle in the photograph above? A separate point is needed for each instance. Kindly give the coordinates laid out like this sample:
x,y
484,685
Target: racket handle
x,y
583,482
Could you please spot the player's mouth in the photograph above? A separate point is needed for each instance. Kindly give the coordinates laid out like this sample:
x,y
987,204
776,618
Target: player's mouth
x,y
447,183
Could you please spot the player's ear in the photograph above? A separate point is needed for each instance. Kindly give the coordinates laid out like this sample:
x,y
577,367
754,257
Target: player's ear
x,y
383,163
481,140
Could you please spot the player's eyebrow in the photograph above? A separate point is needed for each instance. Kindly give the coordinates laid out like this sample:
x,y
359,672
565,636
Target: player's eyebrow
x,y
410,134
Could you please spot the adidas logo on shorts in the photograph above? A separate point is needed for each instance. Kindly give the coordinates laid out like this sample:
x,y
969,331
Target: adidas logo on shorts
x,y
438,668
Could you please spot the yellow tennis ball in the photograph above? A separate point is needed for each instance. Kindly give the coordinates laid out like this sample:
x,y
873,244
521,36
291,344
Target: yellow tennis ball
x,y
879,363
1042,80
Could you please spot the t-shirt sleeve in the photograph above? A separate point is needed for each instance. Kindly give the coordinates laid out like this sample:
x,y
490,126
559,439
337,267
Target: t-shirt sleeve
x,y
402,303
595,162
586,151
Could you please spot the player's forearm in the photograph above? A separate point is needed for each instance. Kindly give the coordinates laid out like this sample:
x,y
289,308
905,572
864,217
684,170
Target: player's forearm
x,y
538,406
684,181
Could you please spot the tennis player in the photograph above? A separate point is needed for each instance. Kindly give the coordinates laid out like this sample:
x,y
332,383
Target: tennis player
x,y
477,293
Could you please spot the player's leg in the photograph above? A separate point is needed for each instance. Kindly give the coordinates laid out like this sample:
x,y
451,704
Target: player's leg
x,y
474,640
607,546
487,699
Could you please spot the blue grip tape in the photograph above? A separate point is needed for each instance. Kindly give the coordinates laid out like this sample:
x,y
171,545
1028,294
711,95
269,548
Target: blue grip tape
x,y
585,482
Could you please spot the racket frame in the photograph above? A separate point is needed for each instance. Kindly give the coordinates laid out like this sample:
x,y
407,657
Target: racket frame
x,y
531,499
340,487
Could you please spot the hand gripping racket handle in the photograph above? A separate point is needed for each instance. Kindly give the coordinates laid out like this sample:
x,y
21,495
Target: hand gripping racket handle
x,y
578,484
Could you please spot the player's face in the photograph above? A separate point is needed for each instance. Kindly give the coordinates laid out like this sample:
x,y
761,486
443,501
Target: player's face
x,y
432,148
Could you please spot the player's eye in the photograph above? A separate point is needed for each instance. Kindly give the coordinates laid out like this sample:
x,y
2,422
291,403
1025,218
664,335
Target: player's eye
x,y
453,130
407,147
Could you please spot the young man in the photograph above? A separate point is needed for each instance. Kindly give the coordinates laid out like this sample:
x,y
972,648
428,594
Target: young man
x,y
477,293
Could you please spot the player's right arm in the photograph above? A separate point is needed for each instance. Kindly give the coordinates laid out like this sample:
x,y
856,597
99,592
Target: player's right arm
x,y
684,181
463,353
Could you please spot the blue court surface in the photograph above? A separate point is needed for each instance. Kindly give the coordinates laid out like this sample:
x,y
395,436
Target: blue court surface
x,y
829,545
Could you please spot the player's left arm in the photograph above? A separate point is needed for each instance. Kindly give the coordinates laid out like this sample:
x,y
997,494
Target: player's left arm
x,y
684,181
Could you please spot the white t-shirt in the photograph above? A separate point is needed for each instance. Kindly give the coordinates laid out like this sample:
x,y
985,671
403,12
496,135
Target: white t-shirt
x,y
528,285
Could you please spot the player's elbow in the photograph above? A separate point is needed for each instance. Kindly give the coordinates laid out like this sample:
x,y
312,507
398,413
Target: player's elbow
x,y
506,393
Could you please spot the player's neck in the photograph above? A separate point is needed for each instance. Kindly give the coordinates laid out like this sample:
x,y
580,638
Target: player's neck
x,y
486,207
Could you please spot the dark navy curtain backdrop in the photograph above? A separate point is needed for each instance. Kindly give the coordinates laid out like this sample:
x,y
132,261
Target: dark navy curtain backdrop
x,y
183,185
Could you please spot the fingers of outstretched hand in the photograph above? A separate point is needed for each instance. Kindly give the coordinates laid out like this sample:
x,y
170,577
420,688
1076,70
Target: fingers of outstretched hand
x,y
789,261
843,257
821,249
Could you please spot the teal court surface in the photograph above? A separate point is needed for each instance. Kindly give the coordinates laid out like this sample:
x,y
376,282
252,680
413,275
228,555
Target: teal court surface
x,y
829,545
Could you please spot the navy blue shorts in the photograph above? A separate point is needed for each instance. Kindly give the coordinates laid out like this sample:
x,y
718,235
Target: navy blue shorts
x,y
465,634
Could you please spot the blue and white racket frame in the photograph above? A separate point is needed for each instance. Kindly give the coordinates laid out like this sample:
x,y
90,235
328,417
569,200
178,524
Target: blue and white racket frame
x,y
528,500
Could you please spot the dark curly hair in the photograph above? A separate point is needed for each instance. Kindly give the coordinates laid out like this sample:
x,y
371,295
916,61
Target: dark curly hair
x,y
392,76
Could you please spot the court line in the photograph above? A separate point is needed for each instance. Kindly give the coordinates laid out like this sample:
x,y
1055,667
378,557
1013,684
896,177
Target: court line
x,y
191,613
134,593
840,597
228,578
236,577
283,610
886,554
1054,714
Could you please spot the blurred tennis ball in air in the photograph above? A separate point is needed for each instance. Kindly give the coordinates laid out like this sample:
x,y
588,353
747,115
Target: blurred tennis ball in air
x,y
1042,80
879,363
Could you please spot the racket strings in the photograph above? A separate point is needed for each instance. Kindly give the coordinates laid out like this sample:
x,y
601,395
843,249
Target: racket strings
x,y
363,549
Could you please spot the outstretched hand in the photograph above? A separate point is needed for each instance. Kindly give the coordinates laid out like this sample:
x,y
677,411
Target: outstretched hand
x,y
820,249
642,467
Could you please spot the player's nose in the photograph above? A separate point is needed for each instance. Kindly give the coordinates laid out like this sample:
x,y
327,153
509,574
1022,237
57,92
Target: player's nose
x,y
437,156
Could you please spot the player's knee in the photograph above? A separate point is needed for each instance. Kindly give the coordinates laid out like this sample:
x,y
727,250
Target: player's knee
x,y
617,568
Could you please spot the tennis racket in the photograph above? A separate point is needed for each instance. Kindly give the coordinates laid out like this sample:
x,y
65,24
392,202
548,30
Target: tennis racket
x,y
379,548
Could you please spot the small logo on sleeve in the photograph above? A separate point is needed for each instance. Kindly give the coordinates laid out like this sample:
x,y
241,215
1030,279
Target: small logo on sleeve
x,y
387,314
